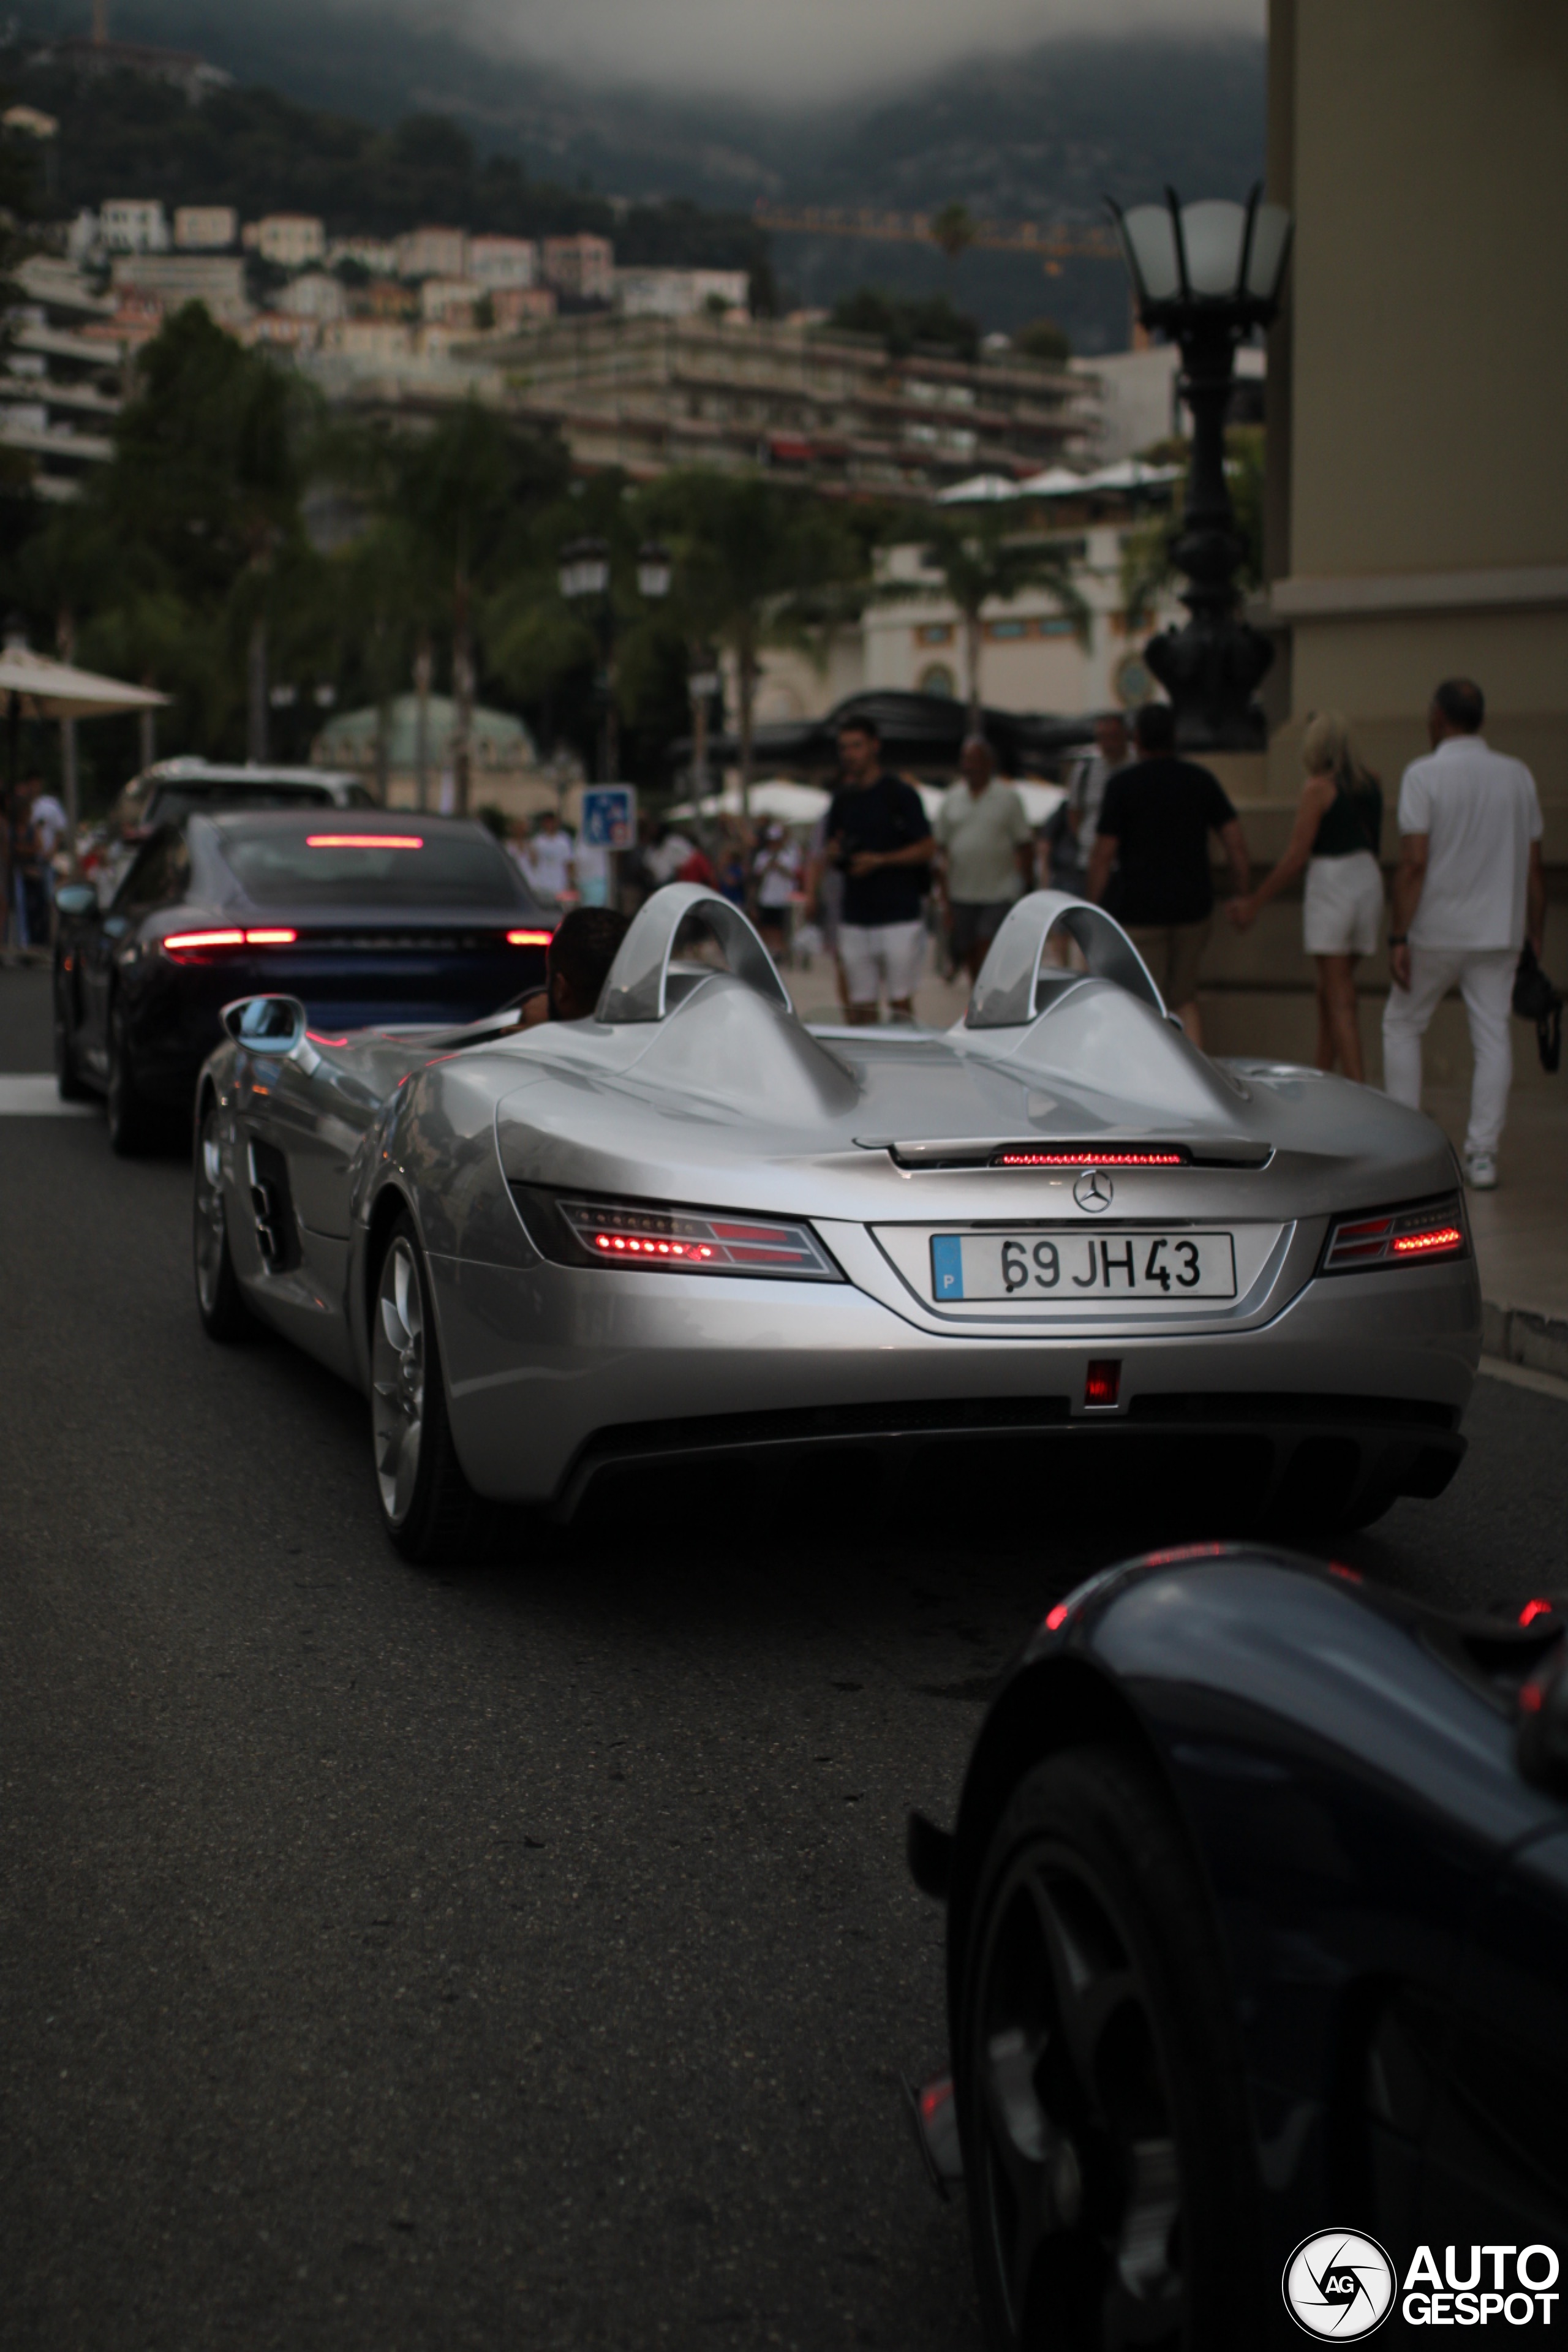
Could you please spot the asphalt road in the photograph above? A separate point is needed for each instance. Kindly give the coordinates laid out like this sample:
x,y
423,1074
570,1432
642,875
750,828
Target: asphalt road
x,y
520,1957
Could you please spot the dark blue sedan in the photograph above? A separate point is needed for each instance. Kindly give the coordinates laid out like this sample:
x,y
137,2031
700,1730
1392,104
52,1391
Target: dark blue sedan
x,y
370,917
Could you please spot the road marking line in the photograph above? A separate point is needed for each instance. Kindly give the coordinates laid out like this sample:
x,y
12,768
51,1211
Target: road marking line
x,y
38,1097
1525,1376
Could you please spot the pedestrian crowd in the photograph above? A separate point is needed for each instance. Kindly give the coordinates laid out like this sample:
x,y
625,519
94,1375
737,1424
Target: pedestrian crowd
x,y
1135,831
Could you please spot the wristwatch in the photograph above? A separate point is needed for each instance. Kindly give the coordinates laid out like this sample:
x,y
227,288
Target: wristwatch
x,y
1399,938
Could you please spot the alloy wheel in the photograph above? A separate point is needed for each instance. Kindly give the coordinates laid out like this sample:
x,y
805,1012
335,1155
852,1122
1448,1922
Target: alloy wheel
x,y
398,1380
1079,2168
210,1233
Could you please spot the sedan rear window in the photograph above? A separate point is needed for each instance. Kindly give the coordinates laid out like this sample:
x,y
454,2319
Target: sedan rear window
x,y
333,865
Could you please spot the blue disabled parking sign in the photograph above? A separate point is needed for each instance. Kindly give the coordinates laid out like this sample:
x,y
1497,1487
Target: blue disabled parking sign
x,y
610,816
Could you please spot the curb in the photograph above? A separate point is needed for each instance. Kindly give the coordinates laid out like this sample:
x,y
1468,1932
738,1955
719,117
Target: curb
x,y
1521,1336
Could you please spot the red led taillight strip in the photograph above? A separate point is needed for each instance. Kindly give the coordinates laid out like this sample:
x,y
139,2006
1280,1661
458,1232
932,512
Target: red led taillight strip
x,y
1089,1160
364,841
1398,1236
686,1241
201,942
528,938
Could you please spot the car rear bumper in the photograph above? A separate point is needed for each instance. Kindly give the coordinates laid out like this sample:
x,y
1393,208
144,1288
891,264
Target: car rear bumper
x,y
559,1377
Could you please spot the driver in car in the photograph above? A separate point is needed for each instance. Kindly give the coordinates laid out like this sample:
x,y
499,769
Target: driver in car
x,y
575,968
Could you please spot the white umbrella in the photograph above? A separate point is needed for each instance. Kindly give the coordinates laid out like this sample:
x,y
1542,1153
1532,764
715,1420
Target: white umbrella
x,y
36,686
46,689
1056,482
780,797
980,490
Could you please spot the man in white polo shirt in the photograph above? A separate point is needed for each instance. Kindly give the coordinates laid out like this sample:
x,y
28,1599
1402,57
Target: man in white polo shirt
x,y
987,847
1468,892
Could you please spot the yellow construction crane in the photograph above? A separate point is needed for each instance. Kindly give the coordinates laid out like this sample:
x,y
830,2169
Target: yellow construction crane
x,y
1051,247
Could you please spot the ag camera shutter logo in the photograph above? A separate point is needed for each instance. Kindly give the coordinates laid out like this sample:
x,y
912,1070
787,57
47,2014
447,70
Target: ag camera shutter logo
x,y
1339,2282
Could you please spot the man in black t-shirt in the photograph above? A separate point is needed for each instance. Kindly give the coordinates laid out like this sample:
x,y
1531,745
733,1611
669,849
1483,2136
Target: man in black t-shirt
x,y
878,833
1155,827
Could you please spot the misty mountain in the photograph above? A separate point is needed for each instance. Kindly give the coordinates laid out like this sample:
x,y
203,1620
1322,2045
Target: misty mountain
x,y
1040,136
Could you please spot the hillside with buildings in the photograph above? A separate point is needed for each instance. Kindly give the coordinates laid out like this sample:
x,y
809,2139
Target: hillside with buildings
x,y
1041,136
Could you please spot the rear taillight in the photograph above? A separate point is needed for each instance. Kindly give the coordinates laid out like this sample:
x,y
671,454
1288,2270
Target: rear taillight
x,y
1396,1237
528,938
687,1240
195,947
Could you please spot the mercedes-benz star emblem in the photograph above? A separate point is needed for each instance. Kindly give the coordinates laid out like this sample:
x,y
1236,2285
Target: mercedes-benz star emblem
x,y
1094,1190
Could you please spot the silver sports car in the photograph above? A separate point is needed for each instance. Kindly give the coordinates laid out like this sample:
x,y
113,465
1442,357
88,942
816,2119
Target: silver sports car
x,y
693,1225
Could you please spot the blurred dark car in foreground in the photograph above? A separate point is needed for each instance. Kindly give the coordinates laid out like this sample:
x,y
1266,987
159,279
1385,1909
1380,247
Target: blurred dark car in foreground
x,y
1258,1942
369,918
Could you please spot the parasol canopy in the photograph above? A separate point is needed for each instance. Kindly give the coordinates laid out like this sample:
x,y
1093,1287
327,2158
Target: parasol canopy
x,y
57,689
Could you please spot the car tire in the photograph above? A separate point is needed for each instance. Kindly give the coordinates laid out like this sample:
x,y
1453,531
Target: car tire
x,y
427,1506
73,1087
134,1126
1100,2096
220,1301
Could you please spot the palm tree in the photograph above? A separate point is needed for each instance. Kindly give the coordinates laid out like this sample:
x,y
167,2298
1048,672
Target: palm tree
x,y
980,560
755,563
954,230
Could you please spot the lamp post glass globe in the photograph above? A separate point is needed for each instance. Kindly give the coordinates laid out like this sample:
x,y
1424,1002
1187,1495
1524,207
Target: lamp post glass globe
x,y
653,572
585,568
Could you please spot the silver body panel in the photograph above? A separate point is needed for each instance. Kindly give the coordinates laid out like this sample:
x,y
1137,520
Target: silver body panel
x,y
705,1092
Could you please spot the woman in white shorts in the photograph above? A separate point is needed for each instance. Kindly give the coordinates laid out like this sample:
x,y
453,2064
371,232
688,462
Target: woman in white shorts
x,y
1337,836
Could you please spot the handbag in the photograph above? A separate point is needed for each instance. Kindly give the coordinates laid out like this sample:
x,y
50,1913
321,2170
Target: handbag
x,y
1535,999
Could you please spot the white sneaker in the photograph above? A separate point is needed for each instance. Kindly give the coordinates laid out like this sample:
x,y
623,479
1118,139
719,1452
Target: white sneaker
x,y
1480,1171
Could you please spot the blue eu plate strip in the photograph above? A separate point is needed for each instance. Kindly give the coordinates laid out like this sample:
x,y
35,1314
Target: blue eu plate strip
x,y
946,1265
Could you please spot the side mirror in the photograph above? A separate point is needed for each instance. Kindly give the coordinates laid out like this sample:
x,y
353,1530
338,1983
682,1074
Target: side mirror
x,y
1541,1737
76,899
266,1025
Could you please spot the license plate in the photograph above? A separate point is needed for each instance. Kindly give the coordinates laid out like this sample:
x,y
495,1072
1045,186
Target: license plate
x,y
1091,1268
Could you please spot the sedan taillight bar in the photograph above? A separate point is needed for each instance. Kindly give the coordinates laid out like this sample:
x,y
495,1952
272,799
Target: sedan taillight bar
x,y
187,946
1396,1237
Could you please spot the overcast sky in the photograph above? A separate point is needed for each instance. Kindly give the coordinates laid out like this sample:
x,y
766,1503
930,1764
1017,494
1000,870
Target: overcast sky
x,y
782,48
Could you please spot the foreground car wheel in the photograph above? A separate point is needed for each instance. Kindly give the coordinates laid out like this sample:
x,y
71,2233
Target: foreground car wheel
x,y
134,1126
220,1302
1100,2100
427,1506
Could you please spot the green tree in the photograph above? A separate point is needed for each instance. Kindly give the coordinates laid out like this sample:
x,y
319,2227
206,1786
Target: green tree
x,y
982,559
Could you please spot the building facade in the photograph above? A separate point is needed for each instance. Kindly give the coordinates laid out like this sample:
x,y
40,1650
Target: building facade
x,y
133,225
205,228
1418,493
680,293
832,410
289,240
582,266
433,253
502,263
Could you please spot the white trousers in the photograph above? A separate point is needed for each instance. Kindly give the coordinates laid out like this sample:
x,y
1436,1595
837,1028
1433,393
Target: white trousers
x,y
1485,978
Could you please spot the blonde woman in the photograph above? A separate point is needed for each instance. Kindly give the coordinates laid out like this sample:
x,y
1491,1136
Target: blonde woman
x,y
1337,836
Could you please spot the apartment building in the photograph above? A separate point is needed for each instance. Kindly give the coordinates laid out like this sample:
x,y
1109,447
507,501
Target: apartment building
x,y
830,409
218,280
583,266
59,378
680,293
289,240
433,253
133,225
205,228
500,263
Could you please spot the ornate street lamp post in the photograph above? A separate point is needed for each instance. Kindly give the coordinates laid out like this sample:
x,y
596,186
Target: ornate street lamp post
x,y
1207,274
584,577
